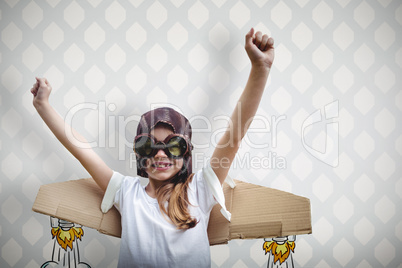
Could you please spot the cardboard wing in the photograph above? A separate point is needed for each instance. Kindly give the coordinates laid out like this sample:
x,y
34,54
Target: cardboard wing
x,y
257,212
78,201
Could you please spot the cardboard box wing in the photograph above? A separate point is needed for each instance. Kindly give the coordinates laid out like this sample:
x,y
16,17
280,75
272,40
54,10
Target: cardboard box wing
x,y
78,201
257,212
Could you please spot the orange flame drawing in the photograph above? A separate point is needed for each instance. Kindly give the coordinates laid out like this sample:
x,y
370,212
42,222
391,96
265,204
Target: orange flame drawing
x,y
66,238
280,251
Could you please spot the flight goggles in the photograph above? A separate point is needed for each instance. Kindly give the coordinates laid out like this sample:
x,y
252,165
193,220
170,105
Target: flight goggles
x,y
174,146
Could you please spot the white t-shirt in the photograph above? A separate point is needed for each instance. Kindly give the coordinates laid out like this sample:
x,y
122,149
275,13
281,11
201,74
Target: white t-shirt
x,y
149,240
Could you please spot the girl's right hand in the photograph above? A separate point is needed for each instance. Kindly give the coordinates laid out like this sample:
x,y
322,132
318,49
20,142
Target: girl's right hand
x,y
41,91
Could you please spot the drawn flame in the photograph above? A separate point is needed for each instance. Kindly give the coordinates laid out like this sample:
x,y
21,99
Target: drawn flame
x,y
66,238
280,252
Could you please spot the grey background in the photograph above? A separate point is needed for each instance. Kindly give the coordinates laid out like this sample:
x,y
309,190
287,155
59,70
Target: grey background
x,y
189,54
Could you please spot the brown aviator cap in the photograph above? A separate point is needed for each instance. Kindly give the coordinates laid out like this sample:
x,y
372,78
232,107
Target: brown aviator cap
x,y
179,124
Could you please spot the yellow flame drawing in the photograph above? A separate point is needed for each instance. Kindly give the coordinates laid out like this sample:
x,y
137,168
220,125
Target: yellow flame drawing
x,y
280,251
66,238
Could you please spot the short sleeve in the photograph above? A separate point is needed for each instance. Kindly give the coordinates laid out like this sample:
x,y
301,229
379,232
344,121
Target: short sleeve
x,y
215,188
200,191
112,188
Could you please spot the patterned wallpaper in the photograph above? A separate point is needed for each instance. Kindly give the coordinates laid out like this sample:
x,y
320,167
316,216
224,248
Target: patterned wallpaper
x,y
327,127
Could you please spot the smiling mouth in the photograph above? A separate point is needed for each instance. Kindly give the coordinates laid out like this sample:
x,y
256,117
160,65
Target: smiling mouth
x,y
162,165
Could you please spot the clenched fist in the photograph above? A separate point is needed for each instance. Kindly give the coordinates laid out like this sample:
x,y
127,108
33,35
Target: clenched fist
x,y
260,48
41,91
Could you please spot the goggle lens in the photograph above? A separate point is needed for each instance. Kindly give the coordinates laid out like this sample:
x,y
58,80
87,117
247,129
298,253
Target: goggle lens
x,y
174,147
143,146
177,146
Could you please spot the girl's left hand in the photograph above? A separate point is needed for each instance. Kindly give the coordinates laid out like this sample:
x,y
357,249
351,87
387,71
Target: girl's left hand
x,y
260,49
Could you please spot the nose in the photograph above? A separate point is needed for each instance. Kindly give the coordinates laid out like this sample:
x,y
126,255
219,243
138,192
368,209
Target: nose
x,y
160,154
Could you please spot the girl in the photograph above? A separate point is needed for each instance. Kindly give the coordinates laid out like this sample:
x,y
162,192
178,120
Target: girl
x,y
164,224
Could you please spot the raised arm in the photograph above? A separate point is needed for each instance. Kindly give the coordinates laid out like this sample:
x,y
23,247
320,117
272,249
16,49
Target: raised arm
x,y
99,171
260,50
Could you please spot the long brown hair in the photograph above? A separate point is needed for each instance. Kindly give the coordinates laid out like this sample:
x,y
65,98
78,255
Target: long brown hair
x,y
174,192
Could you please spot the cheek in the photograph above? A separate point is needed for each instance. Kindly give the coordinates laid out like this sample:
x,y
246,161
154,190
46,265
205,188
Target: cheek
x,y
178,163
143,163
148,162
147,165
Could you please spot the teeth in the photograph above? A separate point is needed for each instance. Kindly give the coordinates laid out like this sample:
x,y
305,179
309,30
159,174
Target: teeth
x,y
161,165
